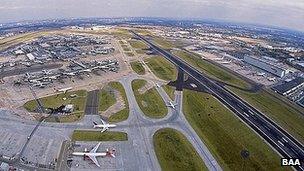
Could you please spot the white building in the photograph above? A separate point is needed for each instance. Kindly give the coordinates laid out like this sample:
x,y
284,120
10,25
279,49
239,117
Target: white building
x,y
19,52
30,56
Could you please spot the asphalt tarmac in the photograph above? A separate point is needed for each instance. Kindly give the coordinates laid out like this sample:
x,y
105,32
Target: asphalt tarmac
x,y
92,103
285,144
23,70
135,154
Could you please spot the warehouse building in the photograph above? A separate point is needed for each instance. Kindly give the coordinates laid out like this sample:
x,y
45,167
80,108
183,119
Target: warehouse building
x,y
266,66
289,87
30,56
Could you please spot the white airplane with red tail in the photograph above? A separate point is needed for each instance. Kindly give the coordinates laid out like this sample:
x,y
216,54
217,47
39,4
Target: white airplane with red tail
x,y
93,154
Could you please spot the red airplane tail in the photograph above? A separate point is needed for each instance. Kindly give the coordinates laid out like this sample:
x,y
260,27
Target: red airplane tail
x,y
110,153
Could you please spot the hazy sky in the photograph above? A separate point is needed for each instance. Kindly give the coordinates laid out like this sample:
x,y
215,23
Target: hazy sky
x,y
284,13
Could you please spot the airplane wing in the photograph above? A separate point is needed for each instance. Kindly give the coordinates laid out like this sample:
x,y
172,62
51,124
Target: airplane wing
x,y
103,129
93,158
95,148
172,103
103,122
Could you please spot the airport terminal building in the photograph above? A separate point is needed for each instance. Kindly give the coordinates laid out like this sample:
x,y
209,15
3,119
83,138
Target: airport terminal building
x,y
289,87
266,66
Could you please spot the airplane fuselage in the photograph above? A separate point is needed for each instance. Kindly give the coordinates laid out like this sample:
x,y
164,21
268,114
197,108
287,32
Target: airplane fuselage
x,y
105,126
171,105
89,154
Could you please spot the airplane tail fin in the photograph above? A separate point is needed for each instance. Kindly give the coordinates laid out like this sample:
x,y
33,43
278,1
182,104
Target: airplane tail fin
x,y
110,153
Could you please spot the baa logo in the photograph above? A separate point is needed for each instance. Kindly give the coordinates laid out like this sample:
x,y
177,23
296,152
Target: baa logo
x,y
291,162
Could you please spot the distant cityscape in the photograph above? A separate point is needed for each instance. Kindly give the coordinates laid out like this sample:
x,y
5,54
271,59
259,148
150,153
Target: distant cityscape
x,y
269,56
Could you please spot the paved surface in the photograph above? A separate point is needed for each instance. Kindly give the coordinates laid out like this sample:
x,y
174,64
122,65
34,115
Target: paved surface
x,y
41,149
107,163
140,131
92,103
144,128
23,70
138,152
283,142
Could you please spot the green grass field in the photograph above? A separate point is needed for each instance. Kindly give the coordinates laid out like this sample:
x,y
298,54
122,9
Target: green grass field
x,y
162,68
212,70
119,116
125,48
138,68
150,102
140,51
169,90
106,99
84,135
163,43
226,136
129,54
122,33
55,101
124,113
137,44
75,116
175,152
285,114
142,31
281,112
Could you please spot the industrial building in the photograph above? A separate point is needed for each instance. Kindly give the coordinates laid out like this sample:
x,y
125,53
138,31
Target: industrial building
x,y
301,102
266,66
289,87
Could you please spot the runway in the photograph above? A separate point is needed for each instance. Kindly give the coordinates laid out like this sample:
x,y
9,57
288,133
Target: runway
x,y
92,103
285,144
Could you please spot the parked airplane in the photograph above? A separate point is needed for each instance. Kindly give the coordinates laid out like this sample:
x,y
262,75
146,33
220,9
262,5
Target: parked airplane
x,y
39,84
28,75
64,90
87,70
172,105
99,67
69,73
271,79
105,126
93,154
33,81
46,72
260,73
54,77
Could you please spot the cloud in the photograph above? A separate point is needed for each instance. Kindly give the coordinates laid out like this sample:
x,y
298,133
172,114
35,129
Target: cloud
x,y
270,12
